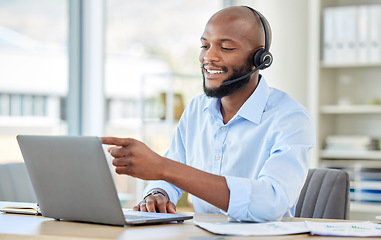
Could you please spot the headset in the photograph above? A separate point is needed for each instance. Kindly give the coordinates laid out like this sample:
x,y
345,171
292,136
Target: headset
x,y
262,58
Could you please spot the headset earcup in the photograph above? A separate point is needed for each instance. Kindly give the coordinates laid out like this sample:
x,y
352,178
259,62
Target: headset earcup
x,y
260,56
257,58
268,58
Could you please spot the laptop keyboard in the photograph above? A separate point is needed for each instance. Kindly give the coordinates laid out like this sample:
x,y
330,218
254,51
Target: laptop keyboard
x,y
135,217
129,214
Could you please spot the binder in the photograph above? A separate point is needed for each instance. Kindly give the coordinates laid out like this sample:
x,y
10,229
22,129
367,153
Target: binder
x,y
375,32
362,44
339,30
329,53
348,29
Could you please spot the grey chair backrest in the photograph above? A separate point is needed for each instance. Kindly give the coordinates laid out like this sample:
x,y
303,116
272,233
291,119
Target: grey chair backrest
x,y
325,194
15,184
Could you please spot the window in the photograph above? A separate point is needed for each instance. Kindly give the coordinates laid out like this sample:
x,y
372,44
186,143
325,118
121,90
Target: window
x,y
151,71
34,72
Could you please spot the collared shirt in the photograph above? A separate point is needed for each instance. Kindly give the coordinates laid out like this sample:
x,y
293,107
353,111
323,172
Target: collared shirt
x,y
262,152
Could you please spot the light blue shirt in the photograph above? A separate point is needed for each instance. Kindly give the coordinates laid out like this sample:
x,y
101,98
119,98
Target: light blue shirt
x,y
262,152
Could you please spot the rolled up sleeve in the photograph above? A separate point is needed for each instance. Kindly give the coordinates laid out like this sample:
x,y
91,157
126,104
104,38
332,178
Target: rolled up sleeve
x,y
275,191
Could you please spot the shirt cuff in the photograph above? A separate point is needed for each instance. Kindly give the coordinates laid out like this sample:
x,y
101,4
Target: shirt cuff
x,y
239,202
173,192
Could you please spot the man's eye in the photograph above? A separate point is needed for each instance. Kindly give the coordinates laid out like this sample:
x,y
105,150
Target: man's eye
x,y
204,47
227,49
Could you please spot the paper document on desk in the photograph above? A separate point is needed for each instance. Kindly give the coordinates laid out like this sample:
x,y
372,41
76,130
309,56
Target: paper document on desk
x,y
24,208
344,229
255,229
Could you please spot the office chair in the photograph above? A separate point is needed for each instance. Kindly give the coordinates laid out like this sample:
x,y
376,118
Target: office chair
x,y
15,184
325,194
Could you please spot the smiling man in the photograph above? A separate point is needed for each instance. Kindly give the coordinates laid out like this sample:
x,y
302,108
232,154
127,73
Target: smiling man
x,y
228,46
241,148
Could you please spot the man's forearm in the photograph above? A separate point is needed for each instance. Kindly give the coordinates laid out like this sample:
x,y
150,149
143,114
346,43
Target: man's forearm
x,y
209,187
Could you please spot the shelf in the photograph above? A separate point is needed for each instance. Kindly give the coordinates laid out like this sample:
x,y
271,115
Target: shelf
x,y
350,164
365,207
351,109
367,155
336,82
349,65
358,185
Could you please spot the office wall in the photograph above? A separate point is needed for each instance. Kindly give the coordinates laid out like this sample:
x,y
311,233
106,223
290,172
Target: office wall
x,y
289,23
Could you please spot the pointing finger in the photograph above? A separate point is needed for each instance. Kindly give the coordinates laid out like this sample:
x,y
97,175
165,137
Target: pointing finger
x,y
116,141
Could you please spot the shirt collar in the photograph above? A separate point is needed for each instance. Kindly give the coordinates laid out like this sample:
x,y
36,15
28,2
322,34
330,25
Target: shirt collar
x,y
254,106
252,109
213,105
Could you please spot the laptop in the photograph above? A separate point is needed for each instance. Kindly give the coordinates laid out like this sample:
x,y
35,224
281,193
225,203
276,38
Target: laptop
x,y
72,181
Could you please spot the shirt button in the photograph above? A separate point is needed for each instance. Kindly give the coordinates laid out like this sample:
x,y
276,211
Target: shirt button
x,y
223,128
218,157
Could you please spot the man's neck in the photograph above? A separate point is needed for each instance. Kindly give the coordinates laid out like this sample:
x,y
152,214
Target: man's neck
x,y
232,103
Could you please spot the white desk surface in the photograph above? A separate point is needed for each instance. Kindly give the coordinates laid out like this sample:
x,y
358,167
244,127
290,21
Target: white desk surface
x,y
17,226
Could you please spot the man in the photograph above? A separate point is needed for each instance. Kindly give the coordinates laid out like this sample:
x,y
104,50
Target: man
x,y
241,148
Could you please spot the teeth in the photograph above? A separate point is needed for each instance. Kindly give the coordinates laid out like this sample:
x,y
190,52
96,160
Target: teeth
x,y
213,71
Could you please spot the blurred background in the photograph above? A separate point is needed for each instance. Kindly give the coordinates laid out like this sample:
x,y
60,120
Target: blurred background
x,y
128,68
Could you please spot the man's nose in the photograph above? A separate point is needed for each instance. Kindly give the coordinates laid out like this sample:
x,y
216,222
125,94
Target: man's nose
x,y
211,55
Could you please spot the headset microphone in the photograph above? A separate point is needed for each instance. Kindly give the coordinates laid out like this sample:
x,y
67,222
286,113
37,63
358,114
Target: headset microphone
x,y
262,58
243,77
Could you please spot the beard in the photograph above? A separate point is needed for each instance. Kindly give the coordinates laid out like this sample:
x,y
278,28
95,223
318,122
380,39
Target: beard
x,y
223,91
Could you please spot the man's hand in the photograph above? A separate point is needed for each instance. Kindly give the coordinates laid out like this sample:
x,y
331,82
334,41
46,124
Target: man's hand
x,y
156,203
134,158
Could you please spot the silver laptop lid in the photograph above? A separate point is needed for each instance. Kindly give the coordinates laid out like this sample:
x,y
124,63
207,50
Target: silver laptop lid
x,y
72,181
71,178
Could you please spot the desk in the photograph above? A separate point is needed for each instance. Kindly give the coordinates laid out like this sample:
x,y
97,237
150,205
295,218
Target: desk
x,y
17,226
